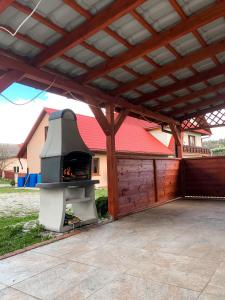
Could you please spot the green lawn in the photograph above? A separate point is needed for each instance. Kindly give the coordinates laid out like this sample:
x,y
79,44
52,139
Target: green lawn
x,y
102,192
4,181
13,236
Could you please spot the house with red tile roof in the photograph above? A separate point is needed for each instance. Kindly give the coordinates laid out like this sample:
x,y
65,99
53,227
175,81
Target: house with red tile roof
x,y
149,140
131,130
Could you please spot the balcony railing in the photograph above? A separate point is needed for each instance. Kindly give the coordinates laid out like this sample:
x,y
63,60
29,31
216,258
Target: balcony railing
x,y
193,149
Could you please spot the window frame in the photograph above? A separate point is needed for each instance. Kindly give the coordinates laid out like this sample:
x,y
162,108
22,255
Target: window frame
x,y
189,140
98,166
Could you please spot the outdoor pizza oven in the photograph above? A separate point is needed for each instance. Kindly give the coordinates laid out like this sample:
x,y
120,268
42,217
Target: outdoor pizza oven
x,y
66,176
65,157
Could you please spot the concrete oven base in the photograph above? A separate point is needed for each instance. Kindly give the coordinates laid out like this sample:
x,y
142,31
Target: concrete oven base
x,y
53,203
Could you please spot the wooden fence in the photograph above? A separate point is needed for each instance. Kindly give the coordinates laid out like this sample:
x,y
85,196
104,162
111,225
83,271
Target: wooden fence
x,y
204,176
144,182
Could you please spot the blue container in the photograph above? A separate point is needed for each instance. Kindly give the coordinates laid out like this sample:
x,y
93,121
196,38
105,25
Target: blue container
x,y
32,180
21,181
27,180
39,178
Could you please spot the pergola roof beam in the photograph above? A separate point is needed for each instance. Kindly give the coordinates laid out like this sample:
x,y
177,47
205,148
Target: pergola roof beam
x,y
192,95
100,21
9,78
4,4
66,84
179,63
182,84
195,21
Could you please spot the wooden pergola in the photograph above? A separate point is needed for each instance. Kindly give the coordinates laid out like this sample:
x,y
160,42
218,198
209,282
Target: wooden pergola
x,y
162,61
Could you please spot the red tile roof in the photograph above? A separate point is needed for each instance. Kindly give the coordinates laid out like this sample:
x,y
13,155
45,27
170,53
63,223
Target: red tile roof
x,y
132,136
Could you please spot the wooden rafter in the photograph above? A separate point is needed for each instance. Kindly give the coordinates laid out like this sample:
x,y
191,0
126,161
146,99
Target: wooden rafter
x,y
120,118
192,95
100,21
4,4
182,84
9,78
180,63
198,105
163,38
203,111
64,83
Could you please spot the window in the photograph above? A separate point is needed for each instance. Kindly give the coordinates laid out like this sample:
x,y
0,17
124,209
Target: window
x,y
95,166
191,140
46,132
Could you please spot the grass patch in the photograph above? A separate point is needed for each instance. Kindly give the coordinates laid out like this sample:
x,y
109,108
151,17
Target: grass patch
x,y
102,192
14,237
4,181
10,190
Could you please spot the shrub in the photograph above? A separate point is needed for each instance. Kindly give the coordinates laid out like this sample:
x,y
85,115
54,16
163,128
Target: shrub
x,y
102,206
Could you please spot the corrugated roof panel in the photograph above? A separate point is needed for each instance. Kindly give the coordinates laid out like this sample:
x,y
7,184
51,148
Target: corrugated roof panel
x,y
32,28
162,56
105,43
121,75
221,57
192,6
164,81
208,96
130,29
213,31
85,56
146,88
194,100
180,105
159,13
166,98
167,109
217,79
204,65
186,44
65,67
198,86
19,47
105,84
221,91
183,73
181,93
151,103
131,95
94,6
57,12
141,66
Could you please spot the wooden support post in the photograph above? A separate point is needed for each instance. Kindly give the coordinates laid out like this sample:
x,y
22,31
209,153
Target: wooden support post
x,y
111,164
178,137
155,181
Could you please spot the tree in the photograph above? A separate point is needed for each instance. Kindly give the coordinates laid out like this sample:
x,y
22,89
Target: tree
x,y
4,157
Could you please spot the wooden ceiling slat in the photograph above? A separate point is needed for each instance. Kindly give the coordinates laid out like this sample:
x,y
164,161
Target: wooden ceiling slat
x,y
162,39
184,99
9,78
203,111
4,4
198,105
61,82
180,63
183,84
87,29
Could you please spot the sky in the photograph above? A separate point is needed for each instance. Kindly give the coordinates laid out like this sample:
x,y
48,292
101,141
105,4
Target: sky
x,y
17,120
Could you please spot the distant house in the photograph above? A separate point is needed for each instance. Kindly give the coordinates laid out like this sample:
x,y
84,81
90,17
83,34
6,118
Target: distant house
x,y
9,162
133,138
192,141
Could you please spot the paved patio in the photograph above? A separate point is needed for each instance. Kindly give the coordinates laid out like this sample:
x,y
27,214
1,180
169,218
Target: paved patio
x,y
176,251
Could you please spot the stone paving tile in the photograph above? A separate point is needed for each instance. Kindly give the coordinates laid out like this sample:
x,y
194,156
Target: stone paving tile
x,y
12,294
216,285
132,288
70,280
25,265
210,297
